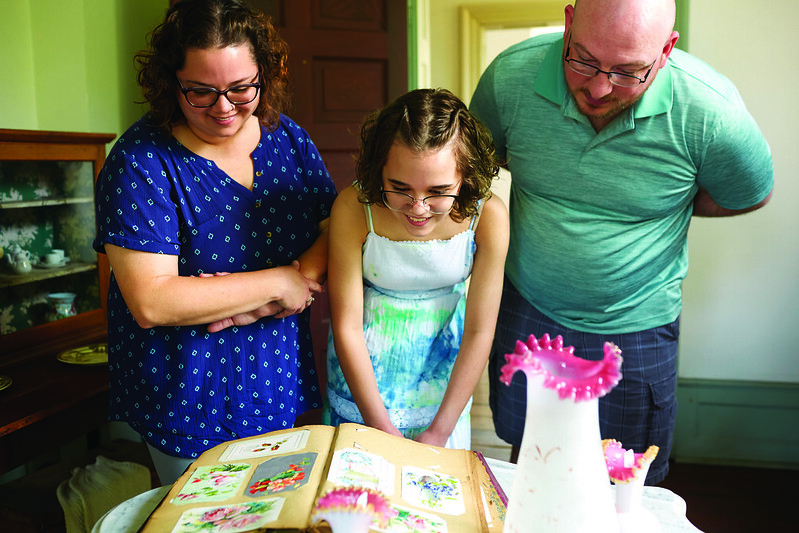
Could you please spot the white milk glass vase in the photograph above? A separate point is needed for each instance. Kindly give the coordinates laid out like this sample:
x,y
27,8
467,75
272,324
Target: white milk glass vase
x,y
561,482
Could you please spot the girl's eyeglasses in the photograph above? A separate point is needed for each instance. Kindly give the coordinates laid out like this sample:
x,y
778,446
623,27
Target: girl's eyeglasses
x,y
436,204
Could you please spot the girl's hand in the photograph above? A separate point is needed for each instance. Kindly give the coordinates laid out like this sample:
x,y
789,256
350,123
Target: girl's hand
x,y
430,437
391,429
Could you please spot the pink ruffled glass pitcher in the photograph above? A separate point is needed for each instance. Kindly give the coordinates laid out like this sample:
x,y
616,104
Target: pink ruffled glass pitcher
x,y
561,482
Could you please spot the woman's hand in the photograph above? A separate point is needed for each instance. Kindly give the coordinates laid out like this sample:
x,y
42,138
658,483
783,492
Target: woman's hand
x,y
270,309
245,319
241,319
299,291
158,296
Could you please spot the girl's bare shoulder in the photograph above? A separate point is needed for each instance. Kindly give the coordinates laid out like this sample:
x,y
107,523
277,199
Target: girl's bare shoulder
x,y
494,209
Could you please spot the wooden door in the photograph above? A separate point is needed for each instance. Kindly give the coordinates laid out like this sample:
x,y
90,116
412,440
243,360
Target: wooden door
x,y
347,58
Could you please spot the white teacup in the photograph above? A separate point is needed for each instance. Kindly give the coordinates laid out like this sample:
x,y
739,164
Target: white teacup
x,y
53,258
62,304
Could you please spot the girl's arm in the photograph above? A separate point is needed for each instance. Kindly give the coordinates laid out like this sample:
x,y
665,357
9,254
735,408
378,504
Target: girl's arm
x,y
158,296
482,308
345,286
313,261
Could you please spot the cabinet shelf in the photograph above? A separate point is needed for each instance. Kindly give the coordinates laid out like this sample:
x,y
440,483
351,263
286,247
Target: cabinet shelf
x,y
46,202
39,274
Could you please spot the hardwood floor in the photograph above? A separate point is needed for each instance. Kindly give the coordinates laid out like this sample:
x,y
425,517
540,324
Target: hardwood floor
x,y
484,438
727,499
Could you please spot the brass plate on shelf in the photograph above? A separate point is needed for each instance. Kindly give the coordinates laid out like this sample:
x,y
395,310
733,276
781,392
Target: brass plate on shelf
x,y
94,354
5,382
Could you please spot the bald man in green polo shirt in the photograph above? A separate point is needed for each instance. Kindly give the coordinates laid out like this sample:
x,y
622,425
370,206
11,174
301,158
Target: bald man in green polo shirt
x,y
614,139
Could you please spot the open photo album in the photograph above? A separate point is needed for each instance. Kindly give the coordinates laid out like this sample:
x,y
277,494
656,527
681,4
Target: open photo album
x,y
279,481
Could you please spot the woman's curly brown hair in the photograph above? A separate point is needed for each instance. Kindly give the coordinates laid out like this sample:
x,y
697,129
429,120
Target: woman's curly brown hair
x,y
206,24
425,120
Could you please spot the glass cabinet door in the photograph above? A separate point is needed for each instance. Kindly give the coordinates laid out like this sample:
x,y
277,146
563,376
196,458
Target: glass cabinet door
x,y
52,283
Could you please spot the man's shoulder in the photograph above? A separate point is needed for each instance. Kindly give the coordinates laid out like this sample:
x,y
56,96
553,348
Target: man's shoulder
x,y
692,74
529,49
521,63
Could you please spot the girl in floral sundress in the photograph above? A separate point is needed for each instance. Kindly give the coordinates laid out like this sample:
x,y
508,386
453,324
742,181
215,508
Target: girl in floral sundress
x,y
407,347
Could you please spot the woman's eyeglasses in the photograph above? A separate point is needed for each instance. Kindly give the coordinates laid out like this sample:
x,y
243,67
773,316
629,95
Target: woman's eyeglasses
x,y
207,96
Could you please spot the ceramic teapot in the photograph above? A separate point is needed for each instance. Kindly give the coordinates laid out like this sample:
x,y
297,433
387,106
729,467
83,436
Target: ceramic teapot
x,y
19,259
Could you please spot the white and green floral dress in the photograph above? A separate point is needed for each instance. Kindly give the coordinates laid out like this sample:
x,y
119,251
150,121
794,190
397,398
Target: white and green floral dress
x,y
414,305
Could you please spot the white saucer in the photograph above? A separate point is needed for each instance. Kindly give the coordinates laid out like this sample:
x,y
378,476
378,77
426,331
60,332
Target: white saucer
x,y
63,263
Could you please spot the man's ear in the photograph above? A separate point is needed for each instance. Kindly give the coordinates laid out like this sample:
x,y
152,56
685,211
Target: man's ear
x,y
668,47
568,17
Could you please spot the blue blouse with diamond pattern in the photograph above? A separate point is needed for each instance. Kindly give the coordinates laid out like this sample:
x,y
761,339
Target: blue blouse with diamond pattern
x,y
183,389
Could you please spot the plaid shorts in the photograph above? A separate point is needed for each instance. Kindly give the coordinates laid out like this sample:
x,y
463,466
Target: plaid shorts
x,y
638,412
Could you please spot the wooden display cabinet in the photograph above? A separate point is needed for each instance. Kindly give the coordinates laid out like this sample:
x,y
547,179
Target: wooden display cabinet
x,y
47,201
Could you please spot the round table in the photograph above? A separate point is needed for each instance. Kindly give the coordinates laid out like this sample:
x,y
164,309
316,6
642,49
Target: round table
x,y
131,514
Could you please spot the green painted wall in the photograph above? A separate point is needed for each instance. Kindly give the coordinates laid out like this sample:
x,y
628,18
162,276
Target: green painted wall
x,y
68,64
17,90
681,23
737,423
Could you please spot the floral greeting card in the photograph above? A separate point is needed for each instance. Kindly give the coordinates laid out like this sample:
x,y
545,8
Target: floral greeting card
x,y
432,490
359,468
232,518
281,474
212,483
266,445
406,520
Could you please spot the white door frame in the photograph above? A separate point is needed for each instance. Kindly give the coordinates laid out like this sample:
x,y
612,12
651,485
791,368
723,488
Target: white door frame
x,y
476,18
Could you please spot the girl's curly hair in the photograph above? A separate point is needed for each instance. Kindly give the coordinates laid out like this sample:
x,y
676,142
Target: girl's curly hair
x,y
206,24
425,120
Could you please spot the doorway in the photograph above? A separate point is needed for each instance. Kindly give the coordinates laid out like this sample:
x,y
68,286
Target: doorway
x,y
487,30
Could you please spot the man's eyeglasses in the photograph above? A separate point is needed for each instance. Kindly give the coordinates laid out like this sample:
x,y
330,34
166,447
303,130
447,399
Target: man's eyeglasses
x,y
207,96
436,204
616,78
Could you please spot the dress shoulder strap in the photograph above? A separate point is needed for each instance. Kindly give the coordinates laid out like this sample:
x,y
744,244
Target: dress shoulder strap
x,y
368,209
476,218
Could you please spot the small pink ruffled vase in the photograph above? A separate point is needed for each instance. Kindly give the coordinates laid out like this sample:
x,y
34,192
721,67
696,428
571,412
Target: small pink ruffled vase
x,y
561,482
627,470
351,510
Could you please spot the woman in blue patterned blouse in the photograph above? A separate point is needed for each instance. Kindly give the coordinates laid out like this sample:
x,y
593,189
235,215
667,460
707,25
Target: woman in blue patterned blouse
x,y
213,210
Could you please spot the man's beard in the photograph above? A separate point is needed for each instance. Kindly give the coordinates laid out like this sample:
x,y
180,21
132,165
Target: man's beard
x,y
615,108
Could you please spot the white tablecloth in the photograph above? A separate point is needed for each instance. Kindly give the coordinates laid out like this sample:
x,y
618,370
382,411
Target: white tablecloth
x,y
667,507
